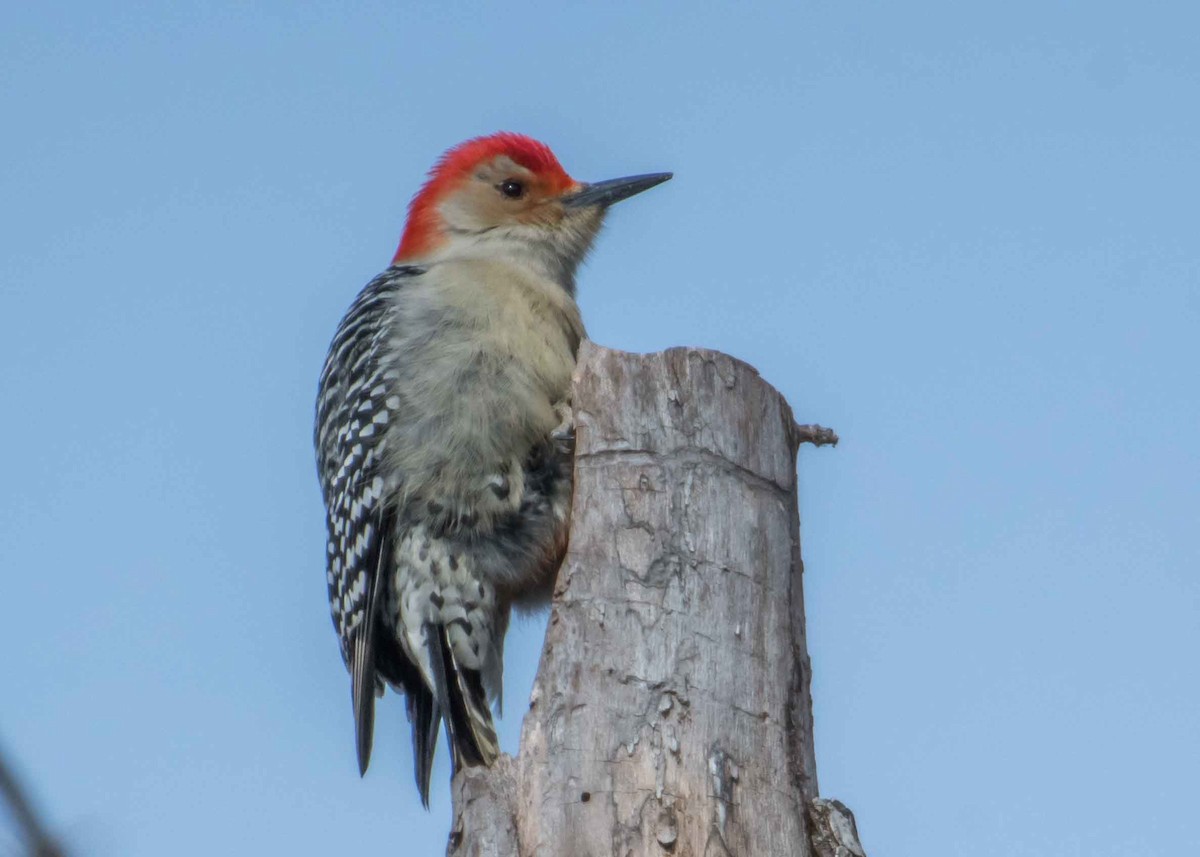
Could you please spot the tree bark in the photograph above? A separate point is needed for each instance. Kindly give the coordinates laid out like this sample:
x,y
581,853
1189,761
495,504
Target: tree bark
x,y
671,713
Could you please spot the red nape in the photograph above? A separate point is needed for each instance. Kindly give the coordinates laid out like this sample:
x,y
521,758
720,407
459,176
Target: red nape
x,y
421,233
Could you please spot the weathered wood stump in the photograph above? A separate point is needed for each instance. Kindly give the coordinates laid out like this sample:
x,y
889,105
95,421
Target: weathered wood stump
x,y
671,713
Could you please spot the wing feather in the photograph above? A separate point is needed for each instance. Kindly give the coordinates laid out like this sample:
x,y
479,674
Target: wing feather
x,y
352,413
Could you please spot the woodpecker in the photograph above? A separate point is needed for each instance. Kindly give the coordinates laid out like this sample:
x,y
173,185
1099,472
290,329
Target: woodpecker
x,y
444,437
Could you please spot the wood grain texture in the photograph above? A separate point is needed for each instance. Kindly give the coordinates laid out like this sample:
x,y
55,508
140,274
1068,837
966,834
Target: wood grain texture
x,y
671,713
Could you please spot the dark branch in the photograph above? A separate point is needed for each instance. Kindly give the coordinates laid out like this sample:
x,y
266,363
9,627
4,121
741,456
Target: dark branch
x,y
34,832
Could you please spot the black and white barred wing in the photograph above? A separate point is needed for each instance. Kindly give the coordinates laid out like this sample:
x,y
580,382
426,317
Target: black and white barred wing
x,y
353,408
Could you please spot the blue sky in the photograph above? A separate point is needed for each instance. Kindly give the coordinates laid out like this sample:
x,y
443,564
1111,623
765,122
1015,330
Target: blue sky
x,y
964,236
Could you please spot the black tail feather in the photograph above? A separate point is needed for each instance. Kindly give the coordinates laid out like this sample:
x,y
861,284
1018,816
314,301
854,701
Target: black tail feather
x,y
460,696
426,720
363,693
366,661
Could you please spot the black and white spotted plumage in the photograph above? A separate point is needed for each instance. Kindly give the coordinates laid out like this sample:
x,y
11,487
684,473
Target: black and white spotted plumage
x,y
350,438
435,530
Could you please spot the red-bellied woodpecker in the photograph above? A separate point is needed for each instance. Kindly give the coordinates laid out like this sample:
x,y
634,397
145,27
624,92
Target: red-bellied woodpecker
x,y
444,436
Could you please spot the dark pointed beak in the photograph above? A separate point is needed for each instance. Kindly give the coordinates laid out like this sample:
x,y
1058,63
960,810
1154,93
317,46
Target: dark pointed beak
x,y
605,193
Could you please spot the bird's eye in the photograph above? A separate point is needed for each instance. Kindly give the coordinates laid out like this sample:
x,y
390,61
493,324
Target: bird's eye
x,y
512,189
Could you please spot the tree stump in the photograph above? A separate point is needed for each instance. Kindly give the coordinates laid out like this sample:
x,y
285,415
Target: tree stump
x,y
671,714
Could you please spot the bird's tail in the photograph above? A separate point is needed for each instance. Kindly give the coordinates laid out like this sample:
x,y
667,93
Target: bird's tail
x,y
426,719
459,694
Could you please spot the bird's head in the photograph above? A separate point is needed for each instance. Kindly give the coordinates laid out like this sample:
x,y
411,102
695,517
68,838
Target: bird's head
x,y
507,193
